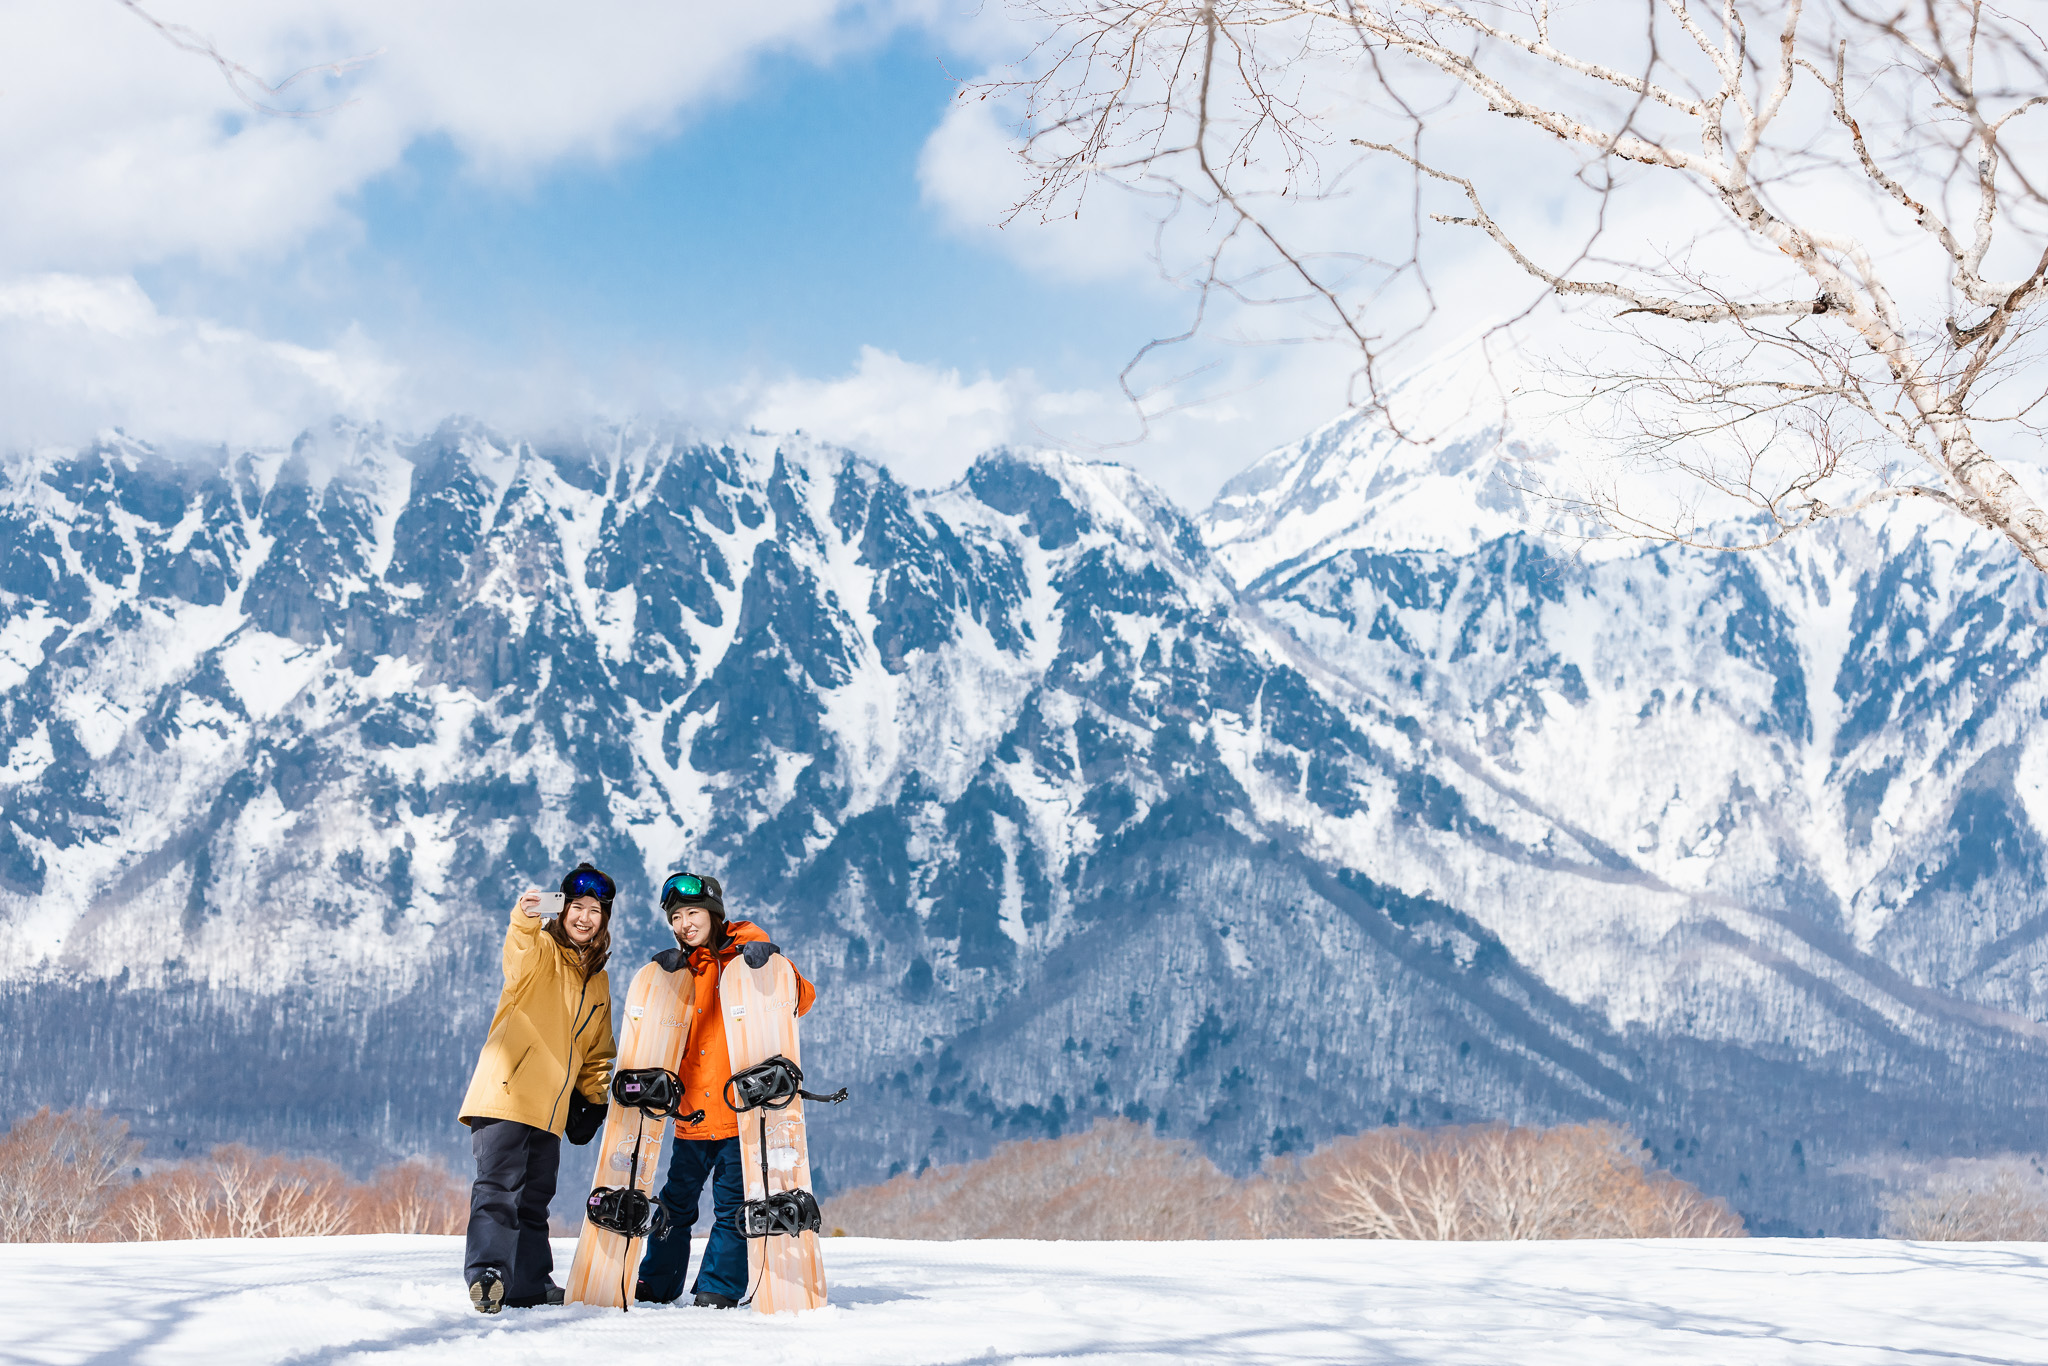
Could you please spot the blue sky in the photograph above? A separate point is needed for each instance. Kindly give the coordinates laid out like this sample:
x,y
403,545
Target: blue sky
x,y
780,232
776,217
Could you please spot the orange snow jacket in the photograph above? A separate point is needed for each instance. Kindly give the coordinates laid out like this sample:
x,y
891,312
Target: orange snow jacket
x,y
552,1031
706,1066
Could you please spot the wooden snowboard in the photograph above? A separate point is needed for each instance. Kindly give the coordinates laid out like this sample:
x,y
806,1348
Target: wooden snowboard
x,y
657,1023
787,1273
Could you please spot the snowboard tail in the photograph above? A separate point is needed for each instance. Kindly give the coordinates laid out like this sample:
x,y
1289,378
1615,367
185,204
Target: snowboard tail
x,y
658,1010
779,1220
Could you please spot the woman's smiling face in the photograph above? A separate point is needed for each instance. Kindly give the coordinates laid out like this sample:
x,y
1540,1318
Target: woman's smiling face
x,y
581,918
692,925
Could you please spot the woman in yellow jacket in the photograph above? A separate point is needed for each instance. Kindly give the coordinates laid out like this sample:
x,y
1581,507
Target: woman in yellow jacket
x,y
550,1041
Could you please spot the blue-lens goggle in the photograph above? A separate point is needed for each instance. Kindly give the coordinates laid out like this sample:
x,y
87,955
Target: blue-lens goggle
x,y
590,884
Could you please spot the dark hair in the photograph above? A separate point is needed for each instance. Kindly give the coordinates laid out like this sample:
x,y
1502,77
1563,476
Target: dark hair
x,y
590,957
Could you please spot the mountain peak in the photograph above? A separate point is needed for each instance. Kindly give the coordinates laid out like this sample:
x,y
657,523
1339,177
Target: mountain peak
x,y
1432,468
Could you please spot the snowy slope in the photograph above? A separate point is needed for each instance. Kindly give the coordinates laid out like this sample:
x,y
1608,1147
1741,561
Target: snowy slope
x,y
1064,822
399,1300
1839,735
1443,464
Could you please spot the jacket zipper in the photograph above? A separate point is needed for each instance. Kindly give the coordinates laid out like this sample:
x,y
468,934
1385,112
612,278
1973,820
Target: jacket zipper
x,y
569,1075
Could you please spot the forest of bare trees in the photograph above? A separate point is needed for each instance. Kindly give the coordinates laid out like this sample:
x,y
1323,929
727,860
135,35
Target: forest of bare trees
x,y
72,1176
1974,1202
1120,1180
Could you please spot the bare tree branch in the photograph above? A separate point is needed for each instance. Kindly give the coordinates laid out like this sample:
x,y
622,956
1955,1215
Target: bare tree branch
x,y
1228,106
251,89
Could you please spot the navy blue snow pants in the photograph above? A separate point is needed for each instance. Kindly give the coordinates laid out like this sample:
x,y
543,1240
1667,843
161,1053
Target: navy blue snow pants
x,y
516,1166
724,1269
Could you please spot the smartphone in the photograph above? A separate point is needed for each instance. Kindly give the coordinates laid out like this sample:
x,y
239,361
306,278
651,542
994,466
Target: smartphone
x,y
550,904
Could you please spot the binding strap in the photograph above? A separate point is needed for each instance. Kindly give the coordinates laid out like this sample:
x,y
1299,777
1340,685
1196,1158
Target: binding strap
x,y
772,1085
785,1213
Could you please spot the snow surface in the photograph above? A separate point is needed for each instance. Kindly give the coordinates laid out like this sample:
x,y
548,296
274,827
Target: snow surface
x,y
396,1300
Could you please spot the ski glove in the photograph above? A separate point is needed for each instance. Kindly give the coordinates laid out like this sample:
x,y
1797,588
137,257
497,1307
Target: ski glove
x,y
585,1119
757,953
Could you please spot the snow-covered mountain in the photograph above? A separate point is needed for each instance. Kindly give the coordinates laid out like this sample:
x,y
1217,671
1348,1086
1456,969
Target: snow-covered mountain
x,y
1301,816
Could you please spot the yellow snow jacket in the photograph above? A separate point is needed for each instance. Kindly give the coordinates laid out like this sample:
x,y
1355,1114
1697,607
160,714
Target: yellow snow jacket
x,y
552,1030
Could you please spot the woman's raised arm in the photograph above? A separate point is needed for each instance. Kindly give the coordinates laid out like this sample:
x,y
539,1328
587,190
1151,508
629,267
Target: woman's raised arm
x,y
522,935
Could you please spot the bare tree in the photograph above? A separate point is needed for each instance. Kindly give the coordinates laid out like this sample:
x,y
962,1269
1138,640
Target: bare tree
x,y
55,1168
1492,1182
1116,1181
1820,225
1987,1202
1121,1181
62,1179
418,1195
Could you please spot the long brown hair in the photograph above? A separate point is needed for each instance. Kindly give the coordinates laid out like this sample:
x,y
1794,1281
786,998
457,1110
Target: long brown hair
x,y
590,957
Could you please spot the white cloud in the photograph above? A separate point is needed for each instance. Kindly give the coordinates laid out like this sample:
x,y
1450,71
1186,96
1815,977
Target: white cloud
x,y
926,424
118,149
79,354
970,173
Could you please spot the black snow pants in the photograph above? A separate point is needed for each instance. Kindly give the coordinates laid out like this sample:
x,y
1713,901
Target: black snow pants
x,y
516,1166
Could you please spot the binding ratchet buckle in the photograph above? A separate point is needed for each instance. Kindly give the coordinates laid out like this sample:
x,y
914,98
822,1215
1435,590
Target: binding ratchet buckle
x,y
624,1210
655,1090
772,1085
787,1213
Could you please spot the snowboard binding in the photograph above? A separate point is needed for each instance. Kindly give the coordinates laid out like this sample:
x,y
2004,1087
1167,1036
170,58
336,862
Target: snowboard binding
x,y
626,1211
772,1085
785,1213
655,1090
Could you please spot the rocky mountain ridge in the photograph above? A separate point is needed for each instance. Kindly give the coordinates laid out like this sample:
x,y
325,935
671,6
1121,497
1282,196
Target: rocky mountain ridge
x,y
1259,826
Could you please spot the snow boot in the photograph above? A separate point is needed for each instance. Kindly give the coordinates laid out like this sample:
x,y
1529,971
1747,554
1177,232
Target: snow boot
x,y
551,1295
487,1291
711,1299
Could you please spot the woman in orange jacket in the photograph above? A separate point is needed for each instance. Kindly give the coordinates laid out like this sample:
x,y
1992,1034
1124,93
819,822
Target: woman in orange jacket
x,y
550,1042
705,942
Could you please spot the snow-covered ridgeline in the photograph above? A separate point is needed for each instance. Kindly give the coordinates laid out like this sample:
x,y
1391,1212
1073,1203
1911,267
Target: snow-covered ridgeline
x,y
1409,826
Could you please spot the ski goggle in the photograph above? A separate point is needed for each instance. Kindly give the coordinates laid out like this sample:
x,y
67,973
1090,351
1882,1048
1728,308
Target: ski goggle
x,y
684,887
590,884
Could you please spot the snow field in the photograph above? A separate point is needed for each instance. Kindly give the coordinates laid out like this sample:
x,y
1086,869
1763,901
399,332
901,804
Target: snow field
x,y
399,1300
